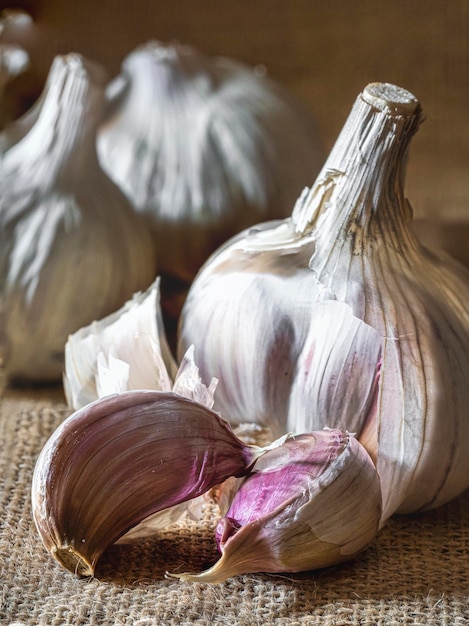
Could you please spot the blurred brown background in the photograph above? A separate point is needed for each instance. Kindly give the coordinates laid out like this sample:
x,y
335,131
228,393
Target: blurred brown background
x,y
324,51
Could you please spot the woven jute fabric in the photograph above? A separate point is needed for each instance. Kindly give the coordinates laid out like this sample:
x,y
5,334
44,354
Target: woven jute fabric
x,y
415,572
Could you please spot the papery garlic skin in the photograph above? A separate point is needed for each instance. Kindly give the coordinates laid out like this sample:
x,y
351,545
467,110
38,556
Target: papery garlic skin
x,y
205,147
311,502
124,351
270,304
122,459
71,249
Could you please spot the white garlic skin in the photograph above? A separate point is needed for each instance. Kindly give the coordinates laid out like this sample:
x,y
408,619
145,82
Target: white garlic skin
x,y
271,311
125,350
205,146
72,249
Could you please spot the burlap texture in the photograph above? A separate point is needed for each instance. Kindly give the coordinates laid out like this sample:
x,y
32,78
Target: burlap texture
x,y
415,572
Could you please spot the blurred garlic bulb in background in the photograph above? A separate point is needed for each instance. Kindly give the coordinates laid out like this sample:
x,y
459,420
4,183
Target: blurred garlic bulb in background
x,y
338,317
71,249
205,147
14,59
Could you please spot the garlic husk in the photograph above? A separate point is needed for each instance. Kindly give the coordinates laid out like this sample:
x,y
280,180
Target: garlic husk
x,y
264,311
120,460
312,502
205,146
72,249
127,350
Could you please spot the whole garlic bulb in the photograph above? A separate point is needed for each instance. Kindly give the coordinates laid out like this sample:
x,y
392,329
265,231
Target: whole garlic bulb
x,y
71,249
338,317
205,147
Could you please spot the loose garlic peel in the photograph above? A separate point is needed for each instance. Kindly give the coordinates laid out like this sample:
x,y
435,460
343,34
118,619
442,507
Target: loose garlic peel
x,y
264,311
127,350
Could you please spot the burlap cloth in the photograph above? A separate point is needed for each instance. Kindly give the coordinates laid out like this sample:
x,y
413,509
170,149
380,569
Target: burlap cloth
x,y
417,570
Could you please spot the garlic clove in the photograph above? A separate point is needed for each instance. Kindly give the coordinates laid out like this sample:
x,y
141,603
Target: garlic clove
x,y
312,502
337,374
350,242
122,459
61,217
125,350
205,146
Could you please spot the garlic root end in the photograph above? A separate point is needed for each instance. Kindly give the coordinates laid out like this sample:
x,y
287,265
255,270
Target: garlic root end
x,y
73,561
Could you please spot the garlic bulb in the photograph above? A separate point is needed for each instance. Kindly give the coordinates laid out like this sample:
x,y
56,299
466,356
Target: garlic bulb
x,y
205,147
72,249
15,131
311,502
338,317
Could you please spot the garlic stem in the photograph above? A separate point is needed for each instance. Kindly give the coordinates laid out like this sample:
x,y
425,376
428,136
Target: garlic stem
x,y
358,204
66,122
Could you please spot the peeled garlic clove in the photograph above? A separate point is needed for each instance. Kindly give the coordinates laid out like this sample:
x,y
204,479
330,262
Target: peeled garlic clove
x,y
205,147
121,459
131,340
312,502
71,247
265,310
